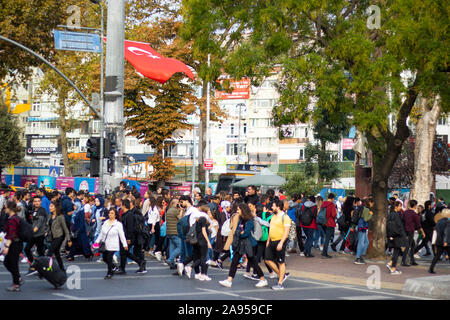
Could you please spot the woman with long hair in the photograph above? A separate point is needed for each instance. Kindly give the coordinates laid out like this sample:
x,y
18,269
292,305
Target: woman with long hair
x,y
154,218
13,246
243,243
58,232
347,208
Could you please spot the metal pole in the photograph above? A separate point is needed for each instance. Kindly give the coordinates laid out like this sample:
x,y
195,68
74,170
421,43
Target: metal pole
x,y
239,134
193,163
102,100
114,81
208,105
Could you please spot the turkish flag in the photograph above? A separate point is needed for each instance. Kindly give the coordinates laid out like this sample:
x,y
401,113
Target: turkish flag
x,y
151,64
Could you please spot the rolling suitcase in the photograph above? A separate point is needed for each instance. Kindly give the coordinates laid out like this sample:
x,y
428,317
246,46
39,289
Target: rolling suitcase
x,y
50,270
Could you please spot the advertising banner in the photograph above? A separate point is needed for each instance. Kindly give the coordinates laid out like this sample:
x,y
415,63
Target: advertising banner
x,y
64,182
241,90
49,182
85,184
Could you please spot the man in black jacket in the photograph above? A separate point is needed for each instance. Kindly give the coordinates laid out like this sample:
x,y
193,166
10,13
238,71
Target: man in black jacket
x,y
252,196
128,222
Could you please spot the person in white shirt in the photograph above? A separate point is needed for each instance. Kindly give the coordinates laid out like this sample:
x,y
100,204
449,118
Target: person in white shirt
x,y
154,224
111,234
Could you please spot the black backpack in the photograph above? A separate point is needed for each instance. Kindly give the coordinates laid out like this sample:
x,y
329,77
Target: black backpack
x,y
356,215
191,235
25,231
141,229
307,215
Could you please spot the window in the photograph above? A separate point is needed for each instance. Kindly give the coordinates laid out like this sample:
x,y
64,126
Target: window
x,y
302,154
232,129
442,121
232,149
245,128
51,125
306,132
36,106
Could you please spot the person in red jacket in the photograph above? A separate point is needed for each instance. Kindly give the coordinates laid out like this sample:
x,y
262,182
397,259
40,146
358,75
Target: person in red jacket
x,y
331,223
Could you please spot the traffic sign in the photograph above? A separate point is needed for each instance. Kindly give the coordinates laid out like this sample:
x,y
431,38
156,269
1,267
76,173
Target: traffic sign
x,y
208,164
77,41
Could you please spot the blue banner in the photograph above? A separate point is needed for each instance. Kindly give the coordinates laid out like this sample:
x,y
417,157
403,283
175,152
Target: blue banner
x,y
49,182
9,178
86,184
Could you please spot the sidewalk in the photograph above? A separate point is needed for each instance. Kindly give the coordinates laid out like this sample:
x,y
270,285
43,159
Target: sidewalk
x,y
341,269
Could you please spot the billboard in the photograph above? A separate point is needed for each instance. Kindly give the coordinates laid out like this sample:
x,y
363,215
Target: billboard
x,y
241,89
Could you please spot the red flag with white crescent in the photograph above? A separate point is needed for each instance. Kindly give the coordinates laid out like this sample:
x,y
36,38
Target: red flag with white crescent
x,y
151,64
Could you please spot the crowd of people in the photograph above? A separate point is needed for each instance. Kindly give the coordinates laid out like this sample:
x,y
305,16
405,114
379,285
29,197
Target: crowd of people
x,y
204,231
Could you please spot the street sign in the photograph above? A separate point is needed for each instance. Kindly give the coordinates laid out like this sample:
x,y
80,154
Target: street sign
x,y
77,41
208,164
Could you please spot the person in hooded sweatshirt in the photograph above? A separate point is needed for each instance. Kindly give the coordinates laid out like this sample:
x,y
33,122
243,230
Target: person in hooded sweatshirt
x,y
310,229
331,222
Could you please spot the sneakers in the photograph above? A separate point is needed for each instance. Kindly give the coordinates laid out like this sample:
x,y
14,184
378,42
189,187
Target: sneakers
x,y
225,283
261,283
248,276
180,269
198,276
108,276
396,272
121,272
13,288
417,256
359,261
333,246
132,262
219,264
326,256
24,260
302,254
204,277
255,277
158,256
188,271
286,275
278,287
389,267
273,275
101,260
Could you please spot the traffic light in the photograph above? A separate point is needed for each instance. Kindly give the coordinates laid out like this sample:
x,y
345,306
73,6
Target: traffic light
x,y
93,148
110,146
110,166
93,153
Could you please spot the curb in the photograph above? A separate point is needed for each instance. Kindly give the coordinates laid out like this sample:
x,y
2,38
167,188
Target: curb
x,y
430,287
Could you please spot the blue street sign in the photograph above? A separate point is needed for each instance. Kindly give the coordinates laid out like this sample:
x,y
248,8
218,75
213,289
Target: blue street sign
x,y
77,41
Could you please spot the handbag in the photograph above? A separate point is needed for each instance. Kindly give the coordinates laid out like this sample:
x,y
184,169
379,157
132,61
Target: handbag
x,y
102,247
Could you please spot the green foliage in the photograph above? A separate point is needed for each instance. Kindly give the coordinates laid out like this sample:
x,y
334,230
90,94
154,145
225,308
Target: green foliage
x,y
298,182
11,150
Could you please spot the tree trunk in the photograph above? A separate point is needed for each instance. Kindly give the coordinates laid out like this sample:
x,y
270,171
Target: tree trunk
x,y
378,222
65,154
423,149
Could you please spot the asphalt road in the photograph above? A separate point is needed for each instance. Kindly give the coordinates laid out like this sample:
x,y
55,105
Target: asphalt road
x,y
160,284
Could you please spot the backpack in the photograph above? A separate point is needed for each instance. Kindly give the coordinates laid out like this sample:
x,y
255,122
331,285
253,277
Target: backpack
x,y
257,232
322,216
307,216
265,229
25,231
226,230
183,226
391,226
141,229
356,215
191,236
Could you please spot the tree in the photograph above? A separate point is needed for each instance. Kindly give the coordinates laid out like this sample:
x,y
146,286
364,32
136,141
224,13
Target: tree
x,y
11,150
425,134
328,128
299,182
29,23
325,48
155,113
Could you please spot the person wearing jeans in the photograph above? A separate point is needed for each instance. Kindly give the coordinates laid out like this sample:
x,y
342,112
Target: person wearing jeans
x,y
331,223
363,225
172,216
310,229
39,222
